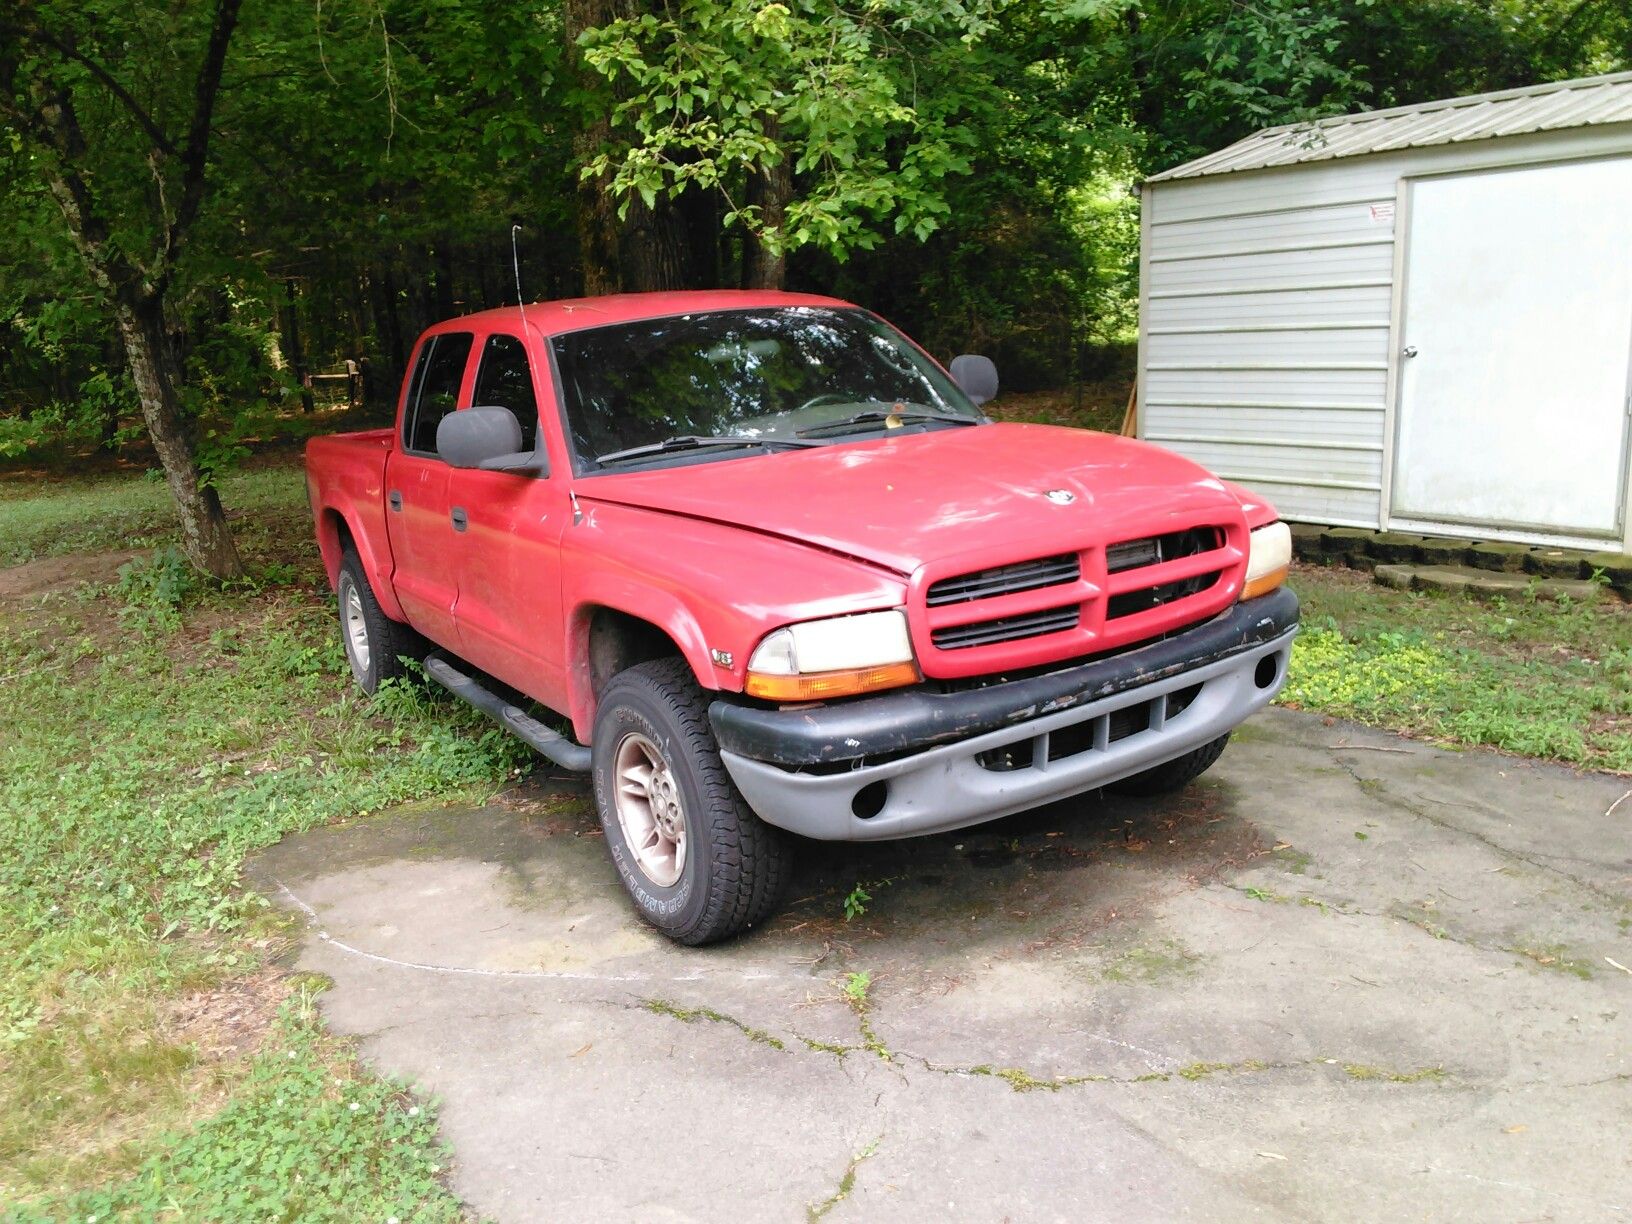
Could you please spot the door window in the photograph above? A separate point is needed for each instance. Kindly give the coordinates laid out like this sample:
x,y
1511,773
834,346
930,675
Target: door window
x,y
436,393
505,379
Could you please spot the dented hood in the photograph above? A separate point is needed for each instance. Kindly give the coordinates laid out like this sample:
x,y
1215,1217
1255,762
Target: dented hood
x,y
899,502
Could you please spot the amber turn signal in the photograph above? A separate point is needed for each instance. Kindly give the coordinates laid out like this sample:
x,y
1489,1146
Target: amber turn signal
x,y
823,686
1265,584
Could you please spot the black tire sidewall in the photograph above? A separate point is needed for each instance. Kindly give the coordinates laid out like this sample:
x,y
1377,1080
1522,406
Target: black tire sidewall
x,y
350,574
628,708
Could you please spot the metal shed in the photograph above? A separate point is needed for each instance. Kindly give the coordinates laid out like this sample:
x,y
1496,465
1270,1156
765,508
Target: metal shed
x,y
1416,319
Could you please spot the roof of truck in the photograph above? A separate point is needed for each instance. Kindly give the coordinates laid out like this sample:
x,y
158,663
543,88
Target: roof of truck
x,y
576,314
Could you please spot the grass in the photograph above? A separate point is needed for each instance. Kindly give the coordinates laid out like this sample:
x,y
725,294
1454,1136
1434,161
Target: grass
x,y
149,749
115,512
1531,676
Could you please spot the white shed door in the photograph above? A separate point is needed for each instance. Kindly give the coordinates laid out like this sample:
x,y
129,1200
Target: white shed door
x,y
1516,339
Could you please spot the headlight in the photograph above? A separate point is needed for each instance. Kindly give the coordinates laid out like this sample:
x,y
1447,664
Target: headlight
x,y
1267,560
837,657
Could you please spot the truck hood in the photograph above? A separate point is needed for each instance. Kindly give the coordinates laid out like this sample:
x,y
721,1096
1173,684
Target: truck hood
x,y
898,502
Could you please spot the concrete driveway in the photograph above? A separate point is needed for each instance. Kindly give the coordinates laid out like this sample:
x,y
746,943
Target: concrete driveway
x,y
1343,977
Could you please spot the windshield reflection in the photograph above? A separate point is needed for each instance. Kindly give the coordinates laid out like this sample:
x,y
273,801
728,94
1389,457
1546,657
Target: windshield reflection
x,y
773,373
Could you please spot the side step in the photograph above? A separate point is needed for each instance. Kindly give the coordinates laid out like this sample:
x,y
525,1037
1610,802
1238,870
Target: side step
x,y
518,722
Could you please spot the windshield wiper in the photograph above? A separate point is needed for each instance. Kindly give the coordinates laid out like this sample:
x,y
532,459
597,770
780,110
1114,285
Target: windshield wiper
x,y
685,442
904,415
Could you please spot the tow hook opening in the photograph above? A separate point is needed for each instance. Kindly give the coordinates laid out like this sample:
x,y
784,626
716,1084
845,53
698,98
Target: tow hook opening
x,y
869,800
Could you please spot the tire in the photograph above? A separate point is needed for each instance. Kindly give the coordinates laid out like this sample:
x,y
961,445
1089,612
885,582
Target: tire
x,y
733,866
375,644
1173,775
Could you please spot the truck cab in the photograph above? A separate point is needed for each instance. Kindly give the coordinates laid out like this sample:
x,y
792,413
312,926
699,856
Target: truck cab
x,y
766,570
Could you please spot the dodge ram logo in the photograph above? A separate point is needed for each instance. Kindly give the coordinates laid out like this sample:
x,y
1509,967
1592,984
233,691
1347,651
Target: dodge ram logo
x,y
1061,497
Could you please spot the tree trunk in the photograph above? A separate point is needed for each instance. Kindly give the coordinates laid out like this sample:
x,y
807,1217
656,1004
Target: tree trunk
x,y
204,534
771,188
292,347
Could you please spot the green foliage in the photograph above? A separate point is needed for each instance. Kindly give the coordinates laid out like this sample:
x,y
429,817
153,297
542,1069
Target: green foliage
x,y
1538,677
158,584
855,902
866,103
308,1136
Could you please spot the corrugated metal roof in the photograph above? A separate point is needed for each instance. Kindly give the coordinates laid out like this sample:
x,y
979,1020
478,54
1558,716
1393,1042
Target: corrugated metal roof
x,y
1512,112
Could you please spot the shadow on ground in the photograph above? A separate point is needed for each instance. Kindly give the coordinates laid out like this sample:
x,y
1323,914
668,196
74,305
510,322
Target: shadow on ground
x,y
1343,977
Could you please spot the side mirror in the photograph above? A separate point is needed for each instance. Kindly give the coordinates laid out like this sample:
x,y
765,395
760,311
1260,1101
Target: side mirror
x,y
487,437
976,375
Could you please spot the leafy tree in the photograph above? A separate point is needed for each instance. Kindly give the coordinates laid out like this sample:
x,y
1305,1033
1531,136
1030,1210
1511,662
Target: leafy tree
x,y
123,147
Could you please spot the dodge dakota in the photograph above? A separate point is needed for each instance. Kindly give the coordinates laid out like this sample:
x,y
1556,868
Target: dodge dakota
x,y
761,566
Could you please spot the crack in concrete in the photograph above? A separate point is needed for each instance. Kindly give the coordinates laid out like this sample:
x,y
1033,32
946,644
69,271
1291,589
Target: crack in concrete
x,y
847,1183
1380,790
1019,1079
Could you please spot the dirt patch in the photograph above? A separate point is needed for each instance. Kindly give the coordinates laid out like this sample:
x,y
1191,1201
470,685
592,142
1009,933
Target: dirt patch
x,y
229,1021
49,574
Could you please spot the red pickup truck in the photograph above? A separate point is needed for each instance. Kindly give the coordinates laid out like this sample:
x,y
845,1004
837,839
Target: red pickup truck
x,y
769,569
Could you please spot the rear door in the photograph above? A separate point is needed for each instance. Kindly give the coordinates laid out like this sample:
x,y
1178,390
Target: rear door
x,y
424,542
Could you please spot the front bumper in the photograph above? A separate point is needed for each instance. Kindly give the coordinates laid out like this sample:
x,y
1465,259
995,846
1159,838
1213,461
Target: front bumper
x,y
915,762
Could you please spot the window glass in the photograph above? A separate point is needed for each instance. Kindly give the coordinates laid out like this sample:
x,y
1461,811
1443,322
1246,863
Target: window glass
x,y
443,368
776,372
506,380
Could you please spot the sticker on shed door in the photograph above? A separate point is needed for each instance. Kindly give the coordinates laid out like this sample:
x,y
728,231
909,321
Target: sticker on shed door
x,y
1514,352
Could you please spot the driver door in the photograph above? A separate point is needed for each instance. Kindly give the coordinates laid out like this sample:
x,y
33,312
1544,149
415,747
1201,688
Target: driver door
x,y
508,614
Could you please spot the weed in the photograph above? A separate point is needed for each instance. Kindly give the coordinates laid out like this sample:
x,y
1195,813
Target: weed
x,y
855,902
855,987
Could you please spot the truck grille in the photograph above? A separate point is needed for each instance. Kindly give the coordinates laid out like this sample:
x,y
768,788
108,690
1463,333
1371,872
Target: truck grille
x,y
1153,550
1094,599
1005,580
1007,629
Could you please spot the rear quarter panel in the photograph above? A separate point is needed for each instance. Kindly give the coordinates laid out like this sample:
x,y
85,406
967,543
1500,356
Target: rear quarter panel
x,y
345,481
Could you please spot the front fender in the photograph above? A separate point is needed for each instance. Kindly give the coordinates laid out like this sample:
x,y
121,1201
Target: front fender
x,y
709,586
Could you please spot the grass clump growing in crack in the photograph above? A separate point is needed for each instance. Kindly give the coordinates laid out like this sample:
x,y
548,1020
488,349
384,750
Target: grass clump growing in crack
x,y
691,1015
847,1183
856,988
1555,957
1422,1075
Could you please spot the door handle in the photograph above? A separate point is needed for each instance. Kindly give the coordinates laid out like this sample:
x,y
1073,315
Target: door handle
x,y
460,519
395,500
1409,350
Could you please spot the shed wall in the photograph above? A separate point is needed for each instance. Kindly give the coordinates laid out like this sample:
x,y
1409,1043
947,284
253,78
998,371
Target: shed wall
x,y
1268,308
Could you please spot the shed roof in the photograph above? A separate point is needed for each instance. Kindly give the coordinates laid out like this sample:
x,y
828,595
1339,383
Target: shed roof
x,y
1511,112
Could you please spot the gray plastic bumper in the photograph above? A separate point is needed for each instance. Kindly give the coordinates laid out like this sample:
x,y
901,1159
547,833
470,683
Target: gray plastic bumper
x,y
947,787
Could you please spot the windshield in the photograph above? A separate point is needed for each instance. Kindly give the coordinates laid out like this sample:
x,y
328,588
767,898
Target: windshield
x,y
775,373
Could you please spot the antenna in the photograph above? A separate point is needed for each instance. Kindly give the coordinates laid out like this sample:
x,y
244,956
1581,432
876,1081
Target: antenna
x,y
515,262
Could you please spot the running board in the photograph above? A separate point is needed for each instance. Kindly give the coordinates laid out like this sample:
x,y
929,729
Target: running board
x,y
513,719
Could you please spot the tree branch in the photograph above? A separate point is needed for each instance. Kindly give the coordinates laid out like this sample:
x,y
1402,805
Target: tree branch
x,y
67,48
195,153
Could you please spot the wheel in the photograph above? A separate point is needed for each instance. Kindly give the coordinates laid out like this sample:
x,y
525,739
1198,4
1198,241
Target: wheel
x,y
698,864
1175,774
375,644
